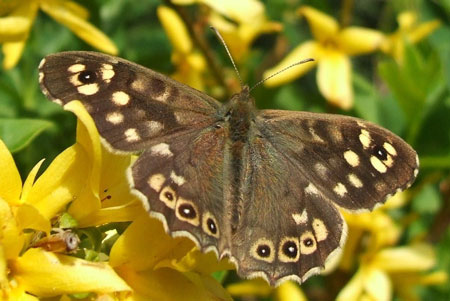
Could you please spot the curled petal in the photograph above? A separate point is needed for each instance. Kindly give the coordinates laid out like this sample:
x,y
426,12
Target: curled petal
x,y
402,259
30,181
323,27
378,285
290,291
11,183
14,28
89,33
12,52
140,251
204,263
334,79
48,274
176,30
29,217
358,40
423,30
306,50
354,288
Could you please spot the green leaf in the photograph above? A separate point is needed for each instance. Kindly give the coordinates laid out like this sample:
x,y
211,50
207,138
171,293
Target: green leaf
x,y
18,133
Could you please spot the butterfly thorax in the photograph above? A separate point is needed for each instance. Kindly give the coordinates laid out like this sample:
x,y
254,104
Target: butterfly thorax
x,y
239,115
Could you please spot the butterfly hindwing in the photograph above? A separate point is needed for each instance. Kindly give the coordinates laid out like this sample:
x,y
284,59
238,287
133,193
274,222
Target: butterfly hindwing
x,y
130,104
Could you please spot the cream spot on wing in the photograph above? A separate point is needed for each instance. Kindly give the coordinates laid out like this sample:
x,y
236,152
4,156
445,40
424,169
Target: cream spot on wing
x,y
58,101
41,76
89,89
308,244
263,249
132,135
138,85
41,63
314,135
354,180
114,117
377,164
320,230
340,189
156,181
335,134
161,96
380,186
311,189
365,138
361,124
161,149
352,158
390,149
107,72
153,126
76,68
179,180
168,196
389,161
74,80
120,98
320,169
300,218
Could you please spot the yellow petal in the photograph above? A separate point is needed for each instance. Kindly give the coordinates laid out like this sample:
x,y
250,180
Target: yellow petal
x,y
358,40
353,289
334,79
290,291
145,244
14,28
401,259
423,30
60,183
378,285
306,50
12,52
47,274
406,20
30,181
76,9
28,217
175,29
11,183
86,31
123,213
11,236
252,287
202,263
166,284
323,27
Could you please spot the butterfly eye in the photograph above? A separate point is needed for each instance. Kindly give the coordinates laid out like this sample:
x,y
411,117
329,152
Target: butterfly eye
x,y
187,211
308,243
168,196
289,249
263,251
209,224
87,77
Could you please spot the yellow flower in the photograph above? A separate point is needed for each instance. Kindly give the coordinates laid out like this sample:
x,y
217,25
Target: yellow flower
x,y
248,22
25,270
15,27
190,63
331,49
159,267
408,32
105,195
375,278
287,291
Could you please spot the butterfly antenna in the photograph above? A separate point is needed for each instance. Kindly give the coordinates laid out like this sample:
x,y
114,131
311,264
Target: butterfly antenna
x,y
228,52
282,70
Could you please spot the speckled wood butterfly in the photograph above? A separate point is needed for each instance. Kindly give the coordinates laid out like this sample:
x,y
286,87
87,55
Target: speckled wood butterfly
x,y
261,187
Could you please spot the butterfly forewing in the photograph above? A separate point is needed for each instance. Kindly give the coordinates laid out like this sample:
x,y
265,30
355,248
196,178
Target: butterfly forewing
x,y
261,187
131,105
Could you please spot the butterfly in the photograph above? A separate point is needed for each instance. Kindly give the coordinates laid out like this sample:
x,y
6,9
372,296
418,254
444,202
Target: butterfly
x,y
260,187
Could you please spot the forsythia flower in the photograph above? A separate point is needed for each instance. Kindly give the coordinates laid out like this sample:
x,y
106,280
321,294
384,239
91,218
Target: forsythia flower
x,y
15,27
287,291
408,31
249,21
331,49
190,64
25,270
